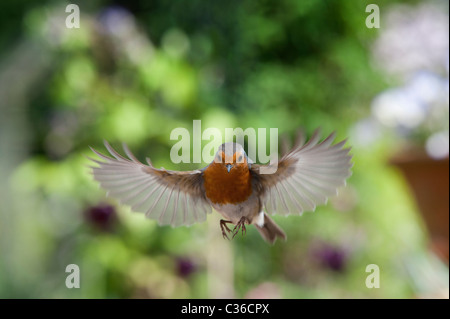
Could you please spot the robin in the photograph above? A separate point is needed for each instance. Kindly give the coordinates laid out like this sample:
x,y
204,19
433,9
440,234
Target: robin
x,y
235,187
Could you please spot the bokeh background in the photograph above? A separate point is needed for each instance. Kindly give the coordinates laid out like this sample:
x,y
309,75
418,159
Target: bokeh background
x,y
135,70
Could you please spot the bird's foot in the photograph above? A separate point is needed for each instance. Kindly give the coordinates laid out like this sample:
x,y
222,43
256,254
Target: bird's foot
x,y
240,225
223,227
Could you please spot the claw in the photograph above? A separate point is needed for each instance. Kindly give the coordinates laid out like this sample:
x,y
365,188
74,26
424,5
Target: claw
x,y
240,225
224,227
225,236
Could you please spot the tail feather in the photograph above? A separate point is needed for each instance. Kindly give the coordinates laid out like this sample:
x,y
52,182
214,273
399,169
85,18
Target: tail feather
x,y
270,231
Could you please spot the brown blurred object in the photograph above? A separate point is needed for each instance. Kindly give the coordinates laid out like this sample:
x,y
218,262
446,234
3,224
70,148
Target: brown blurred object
x,y
429,182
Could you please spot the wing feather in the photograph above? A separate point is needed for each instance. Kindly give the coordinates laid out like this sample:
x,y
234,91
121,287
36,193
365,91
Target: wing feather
x,y
170,197
305,177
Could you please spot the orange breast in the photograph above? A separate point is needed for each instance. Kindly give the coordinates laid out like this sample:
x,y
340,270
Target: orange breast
x,y
227,188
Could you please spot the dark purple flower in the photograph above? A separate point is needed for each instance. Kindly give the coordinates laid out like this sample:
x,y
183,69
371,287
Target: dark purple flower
x,y
185,267
331,257
102,216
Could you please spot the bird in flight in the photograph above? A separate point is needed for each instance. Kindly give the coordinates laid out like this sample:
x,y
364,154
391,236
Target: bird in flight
x,y
306,176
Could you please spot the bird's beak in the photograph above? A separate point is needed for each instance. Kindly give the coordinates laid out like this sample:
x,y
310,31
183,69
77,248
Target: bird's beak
x,y
229,166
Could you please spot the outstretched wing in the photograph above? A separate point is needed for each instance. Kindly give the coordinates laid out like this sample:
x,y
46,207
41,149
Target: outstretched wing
x,y
170,197
305,177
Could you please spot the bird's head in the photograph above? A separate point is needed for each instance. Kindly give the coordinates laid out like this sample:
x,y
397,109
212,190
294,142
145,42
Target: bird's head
x,y
231,156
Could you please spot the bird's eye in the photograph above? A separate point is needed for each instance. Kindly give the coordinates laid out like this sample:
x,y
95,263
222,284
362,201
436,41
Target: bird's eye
x,y
240,159
219,158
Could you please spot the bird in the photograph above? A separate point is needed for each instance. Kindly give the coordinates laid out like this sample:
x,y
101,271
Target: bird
x,y
238,189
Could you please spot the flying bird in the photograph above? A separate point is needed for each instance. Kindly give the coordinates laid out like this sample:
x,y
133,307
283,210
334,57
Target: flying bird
x,y
304,177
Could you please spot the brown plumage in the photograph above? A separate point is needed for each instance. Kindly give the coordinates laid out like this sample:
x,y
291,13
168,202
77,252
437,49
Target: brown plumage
x,y
223,187
305,177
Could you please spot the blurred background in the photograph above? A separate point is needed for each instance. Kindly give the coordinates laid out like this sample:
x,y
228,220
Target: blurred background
x,y
135,70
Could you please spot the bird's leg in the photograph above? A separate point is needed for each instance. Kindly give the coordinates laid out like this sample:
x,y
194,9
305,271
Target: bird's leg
x,y
223,227
240,225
